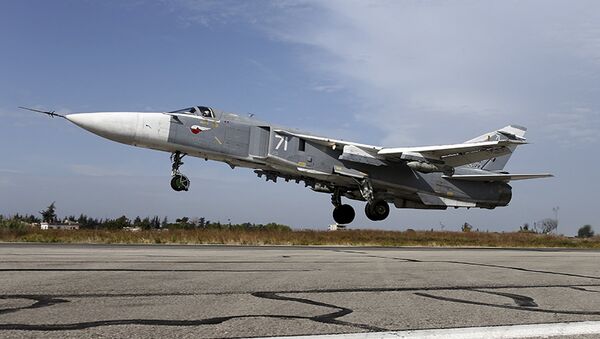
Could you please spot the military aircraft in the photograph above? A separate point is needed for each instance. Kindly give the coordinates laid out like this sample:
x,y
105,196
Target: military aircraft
x,y
468,174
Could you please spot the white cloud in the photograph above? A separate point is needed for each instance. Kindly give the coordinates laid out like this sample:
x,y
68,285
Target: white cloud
x,y
327,88
217,12
419,67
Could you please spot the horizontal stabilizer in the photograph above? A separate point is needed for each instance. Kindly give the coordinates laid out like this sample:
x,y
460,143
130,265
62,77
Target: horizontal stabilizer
x,y
497,177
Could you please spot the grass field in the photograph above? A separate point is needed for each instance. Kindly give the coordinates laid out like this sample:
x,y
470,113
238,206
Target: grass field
x,y
301,237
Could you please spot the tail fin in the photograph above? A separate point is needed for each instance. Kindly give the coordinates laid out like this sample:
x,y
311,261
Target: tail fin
x,y
496,164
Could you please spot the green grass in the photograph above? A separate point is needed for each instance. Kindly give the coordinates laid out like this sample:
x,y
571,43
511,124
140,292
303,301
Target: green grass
x,y
302,237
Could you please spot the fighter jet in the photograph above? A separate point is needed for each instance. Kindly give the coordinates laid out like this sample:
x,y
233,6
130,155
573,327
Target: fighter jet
x,y
467,175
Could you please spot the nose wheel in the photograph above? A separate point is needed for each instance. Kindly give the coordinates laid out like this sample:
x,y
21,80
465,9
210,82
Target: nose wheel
x,y
179,182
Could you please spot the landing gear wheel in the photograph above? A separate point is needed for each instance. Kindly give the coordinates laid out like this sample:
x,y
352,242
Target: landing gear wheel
x,y
180,182
377,210
343,214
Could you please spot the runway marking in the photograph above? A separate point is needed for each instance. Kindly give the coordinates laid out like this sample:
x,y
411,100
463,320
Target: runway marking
x,y
488,332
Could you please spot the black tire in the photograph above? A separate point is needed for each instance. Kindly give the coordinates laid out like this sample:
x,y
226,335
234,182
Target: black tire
x,y
343,214
378,210
369,212
180,182
174,185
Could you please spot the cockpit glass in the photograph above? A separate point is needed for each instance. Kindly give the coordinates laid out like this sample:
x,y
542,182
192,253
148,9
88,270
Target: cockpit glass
x,y
202,111
185,110
205,112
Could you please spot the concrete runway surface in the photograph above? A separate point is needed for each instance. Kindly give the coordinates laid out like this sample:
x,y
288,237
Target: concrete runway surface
x,y
62,291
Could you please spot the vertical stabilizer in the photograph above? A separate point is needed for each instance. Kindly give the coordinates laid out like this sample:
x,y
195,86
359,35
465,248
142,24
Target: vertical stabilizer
x,y
496,164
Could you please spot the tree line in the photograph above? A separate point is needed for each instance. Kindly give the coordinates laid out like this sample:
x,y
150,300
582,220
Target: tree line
x,y
147,223
49,215
19,221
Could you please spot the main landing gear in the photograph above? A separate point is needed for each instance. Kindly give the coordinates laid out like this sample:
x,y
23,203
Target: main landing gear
x,y
342,214
179,182
376,209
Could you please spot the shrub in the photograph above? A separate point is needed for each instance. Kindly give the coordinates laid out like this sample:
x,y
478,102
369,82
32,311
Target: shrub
x,y
466,227
13,224
585,232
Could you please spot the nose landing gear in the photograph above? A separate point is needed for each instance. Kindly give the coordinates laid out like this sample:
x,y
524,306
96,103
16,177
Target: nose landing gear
x,y
179,182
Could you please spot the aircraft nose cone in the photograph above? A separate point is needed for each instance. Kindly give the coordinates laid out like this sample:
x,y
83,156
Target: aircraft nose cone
x,y
117,126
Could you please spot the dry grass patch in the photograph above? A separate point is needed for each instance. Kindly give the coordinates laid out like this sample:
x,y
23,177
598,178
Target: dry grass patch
x,y
301,237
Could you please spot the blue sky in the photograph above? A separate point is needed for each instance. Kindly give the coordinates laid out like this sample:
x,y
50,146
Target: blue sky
x,y
395,73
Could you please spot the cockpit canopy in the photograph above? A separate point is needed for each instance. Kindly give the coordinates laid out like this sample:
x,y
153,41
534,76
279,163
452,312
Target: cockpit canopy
x,y
202,111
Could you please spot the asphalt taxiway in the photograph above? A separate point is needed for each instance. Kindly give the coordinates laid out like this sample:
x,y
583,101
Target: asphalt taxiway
x,y
61,291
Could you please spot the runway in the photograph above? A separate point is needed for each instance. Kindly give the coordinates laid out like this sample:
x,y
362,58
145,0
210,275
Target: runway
x,y
62,291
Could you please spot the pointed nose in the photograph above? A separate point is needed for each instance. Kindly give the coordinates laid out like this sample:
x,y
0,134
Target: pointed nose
x,y
117,126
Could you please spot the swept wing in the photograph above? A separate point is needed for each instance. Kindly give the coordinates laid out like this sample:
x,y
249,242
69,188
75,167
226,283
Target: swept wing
x,y
452,155
327,141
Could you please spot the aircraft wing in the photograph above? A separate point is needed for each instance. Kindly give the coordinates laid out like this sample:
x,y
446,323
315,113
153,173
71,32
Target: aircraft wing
x,y
327,141
497,177
452,155
351,151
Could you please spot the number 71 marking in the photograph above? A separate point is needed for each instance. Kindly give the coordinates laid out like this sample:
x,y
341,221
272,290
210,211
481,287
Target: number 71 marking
x,y
282,140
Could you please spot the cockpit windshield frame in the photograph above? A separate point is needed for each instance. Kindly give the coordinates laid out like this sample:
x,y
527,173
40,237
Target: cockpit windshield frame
x,y
202,111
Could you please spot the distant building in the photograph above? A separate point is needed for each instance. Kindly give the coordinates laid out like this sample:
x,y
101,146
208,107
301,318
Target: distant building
x,y
335,227
65,225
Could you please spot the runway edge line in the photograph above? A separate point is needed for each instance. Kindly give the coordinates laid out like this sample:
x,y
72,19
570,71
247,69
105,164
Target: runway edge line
x,y
489,332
